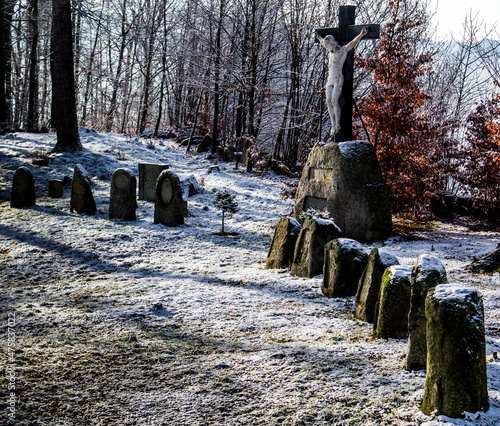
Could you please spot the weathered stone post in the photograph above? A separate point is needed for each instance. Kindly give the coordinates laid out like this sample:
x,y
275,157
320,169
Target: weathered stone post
x,y
309,254
369,284
391,318
427,273
283,245
456,378
345,261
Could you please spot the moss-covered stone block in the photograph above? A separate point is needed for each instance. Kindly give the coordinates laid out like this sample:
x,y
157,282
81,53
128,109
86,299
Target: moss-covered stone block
x,y
369,284
394,304
427,273
456,379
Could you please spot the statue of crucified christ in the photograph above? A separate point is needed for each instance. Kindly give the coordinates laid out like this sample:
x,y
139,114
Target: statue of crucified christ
x,y
336,58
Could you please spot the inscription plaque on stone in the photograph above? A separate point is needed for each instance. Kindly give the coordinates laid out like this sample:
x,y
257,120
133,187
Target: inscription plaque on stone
x,y
167,191
320,174
23,189
148,175
314,203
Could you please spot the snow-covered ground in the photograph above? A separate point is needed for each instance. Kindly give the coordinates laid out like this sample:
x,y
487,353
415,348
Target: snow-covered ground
x,y
132,323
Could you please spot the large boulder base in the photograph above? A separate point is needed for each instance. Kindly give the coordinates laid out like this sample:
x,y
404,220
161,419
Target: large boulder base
x,y
427,273
456,379
345,179
82,200
283,245
394,304
309,253
369,284
345,261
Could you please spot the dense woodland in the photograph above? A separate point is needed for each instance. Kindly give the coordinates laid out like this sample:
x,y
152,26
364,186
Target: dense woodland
x,y
249,72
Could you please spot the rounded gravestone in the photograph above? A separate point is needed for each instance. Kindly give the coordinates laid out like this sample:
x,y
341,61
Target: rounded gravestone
x,y
170,206
456,379
23,189
123,201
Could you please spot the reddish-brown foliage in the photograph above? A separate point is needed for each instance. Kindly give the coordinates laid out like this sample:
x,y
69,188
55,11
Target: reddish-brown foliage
x,y
410,142
480,172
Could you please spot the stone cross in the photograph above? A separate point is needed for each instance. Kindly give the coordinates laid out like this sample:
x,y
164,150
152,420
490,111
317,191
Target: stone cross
x,y
345,33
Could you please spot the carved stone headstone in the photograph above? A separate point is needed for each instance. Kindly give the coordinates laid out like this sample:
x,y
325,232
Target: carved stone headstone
x,y
122,201
82,200
369,284
427,273
456,379
345,180
56,188
391,320
309,253
23,189
283,245
345,261
170,207
148,175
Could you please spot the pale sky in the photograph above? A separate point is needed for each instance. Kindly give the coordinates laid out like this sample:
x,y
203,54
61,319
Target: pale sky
x,y
451,14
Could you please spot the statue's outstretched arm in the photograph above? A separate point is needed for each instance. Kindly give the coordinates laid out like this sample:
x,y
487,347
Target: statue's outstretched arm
x,y
354,42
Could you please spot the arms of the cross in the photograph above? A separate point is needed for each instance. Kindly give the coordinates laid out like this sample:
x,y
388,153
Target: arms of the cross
x,y
351,32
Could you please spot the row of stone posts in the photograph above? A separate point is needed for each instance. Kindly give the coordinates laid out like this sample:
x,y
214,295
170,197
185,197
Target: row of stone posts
x,y
444,323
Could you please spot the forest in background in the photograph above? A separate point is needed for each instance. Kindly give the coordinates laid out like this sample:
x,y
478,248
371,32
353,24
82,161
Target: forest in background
x,y
248,72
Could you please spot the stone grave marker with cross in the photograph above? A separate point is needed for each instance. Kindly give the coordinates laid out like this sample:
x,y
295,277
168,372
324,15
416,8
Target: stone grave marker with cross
x,y
343,34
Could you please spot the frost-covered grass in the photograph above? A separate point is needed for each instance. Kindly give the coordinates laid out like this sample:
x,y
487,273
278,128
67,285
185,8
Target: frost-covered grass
x,y
136,323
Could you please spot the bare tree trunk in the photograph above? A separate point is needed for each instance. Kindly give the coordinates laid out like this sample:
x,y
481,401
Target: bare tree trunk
x,y
215,128
3,106
32,121
63,80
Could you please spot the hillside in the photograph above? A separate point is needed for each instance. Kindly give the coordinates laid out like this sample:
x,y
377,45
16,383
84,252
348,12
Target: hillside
x,y
136,323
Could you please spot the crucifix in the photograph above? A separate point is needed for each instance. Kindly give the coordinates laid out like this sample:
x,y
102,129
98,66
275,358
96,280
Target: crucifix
x,y
339,87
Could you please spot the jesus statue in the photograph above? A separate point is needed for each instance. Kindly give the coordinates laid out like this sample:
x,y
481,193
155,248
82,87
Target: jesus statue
x,y
336,58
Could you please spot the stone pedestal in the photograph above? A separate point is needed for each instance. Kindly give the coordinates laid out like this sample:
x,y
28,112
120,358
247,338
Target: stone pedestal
x,y
345,180
122,201
23,189
456,378
170,207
